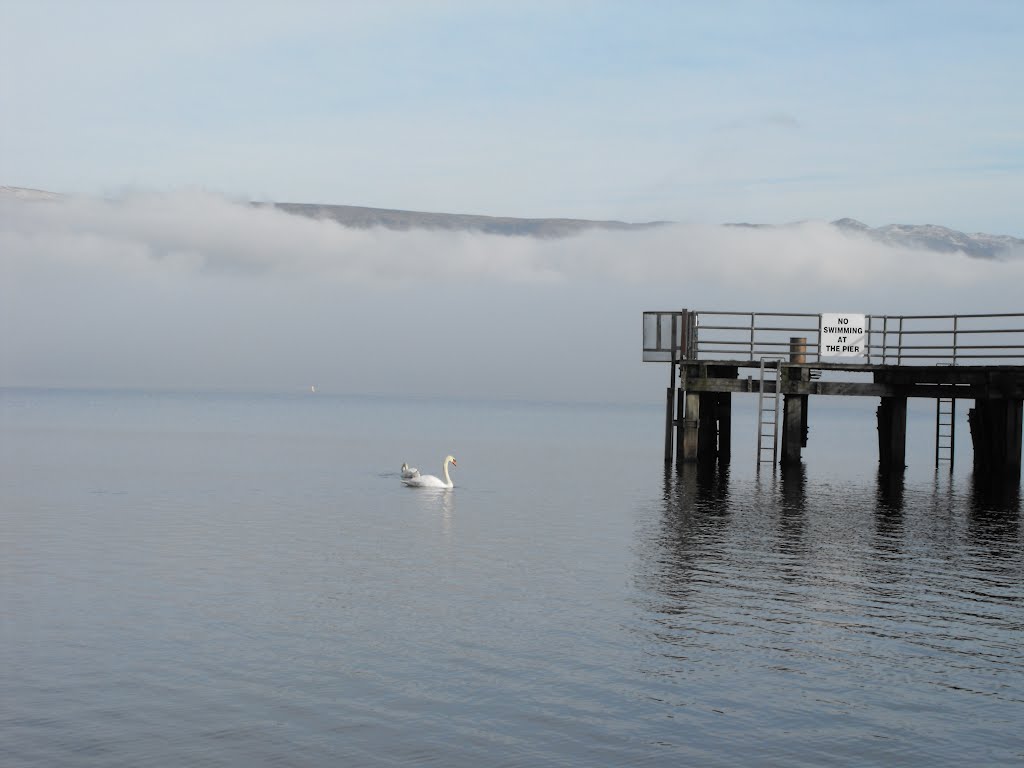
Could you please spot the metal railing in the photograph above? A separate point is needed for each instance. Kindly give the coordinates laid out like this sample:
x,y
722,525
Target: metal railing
x,y
974,339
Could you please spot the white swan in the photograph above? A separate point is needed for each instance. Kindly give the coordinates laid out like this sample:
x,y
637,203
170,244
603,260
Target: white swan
x,y
429,481
408,472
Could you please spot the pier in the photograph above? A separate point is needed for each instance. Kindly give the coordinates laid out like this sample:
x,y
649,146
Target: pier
x,y
786,359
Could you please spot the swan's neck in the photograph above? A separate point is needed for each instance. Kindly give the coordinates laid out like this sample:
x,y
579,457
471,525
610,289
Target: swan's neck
x,y
447,479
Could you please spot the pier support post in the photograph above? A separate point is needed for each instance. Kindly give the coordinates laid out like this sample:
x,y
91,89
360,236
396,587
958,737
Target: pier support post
x,y
793,426
794,408
690,420
680,425
892,434
996,429
723,409
670,396
670,417
707,429
703,433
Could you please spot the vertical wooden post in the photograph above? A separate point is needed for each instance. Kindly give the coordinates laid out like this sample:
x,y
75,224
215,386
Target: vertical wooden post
x,y
892,434
691,423
996,430
1014,433
670,396
792,428
794,409
798,349
680,424
724,411
670,417
707,429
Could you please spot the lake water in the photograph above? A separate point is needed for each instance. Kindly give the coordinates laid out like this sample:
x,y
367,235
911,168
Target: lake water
x,y
224,580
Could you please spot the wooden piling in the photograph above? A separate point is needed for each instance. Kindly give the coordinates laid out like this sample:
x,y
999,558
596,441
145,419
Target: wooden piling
x,y
670,398
723,410
691,426
996,430
794,408
892,433
680,425
707,429
670,417
793,422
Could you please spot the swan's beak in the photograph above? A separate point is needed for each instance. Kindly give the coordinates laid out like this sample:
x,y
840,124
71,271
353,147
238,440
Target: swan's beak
x,y
455,463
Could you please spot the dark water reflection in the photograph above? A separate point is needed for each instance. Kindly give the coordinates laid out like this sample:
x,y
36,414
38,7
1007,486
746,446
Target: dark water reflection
x,y
837,623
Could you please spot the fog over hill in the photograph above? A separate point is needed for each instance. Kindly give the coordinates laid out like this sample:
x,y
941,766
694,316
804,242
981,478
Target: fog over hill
x,y
928,237
193,291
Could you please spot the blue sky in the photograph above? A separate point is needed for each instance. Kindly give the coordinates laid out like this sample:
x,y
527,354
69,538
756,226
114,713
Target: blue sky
x,y
693,112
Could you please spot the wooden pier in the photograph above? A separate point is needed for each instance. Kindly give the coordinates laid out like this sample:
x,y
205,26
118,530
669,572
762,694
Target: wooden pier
x,y
785,359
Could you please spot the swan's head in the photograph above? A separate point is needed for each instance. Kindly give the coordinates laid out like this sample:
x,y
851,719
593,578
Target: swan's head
x,y
451,460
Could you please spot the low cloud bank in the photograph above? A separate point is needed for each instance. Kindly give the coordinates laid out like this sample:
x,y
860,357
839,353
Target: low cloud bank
x,y
190,290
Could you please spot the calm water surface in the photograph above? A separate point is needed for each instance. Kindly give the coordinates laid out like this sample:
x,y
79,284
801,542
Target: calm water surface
x,y
214,580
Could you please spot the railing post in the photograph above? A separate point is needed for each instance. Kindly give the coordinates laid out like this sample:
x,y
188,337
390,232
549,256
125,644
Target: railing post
x,y
753,320
692,351
899,344
867,345
819,338
955,340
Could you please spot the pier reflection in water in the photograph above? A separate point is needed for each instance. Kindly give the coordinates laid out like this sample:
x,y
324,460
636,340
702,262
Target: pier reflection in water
x,y
869,622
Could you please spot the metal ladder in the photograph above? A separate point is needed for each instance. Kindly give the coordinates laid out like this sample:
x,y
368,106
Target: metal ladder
x,y
768,413
945,430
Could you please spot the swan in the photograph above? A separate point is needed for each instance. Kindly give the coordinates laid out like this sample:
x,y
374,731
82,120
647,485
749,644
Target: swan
x,y
429,481
408,472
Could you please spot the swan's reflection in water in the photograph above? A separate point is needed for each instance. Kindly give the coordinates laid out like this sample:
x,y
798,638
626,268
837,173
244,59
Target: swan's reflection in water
x,y
440,503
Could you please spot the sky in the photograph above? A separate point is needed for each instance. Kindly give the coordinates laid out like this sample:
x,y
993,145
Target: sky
x,y
161,121
905,112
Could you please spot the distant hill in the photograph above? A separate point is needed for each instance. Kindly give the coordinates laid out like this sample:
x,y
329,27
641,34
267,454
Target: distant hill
x,y
923,237
365,218
23,193
932,237
928,237
919,236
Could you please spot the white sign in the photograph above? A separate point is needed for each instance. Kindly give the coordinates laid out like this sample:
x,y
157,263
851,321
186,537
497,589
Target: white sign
x,y
843,335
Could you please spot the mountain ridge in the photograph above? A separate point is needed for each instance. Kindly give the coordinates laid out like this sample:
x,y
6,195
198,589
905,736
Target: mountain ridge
x,y
931,237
